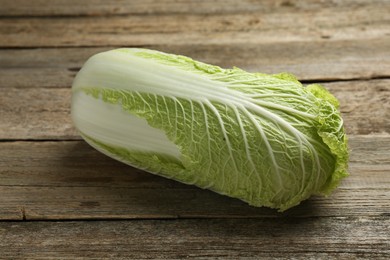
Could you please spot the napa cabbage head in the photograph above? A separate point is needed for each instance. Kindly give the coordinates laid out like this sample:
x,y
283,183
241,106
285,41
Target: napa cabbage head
x,y
264,139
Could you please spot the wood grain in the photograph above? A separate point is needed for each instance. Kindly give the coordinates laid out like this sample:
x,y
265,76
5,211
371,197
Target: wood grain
x,y
74,203
36,114
35,178
362,237
149,7
44,113
327,24
320,60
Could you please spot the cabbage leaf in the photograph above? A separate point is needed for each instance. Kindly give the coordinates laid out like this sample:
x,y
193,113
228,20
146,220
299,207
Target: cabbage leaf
x,y
265,139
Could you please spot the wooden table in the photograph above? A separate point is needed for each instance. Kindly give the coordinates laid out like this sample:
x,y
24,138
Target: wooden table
x,y
59,198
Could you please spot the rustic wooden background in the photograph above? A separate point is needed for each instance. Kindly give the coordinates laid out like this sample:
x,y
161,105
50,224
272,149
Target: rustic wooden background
x,y
59,198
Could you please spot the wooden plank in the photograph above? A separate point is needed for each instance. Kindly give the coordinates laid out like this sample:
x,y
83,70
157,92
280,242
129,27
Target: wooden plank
x,y
73,203
36,114
44,113
35,178
76,164
139,30
311,238
328,60
42,77
123,7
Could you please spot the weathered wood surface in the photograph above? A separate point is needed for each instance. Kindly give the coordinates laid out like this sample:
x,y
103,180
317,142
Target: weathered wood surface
x,y
44,113
329,24
327,60
149,7
70,180
48,173
292,238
